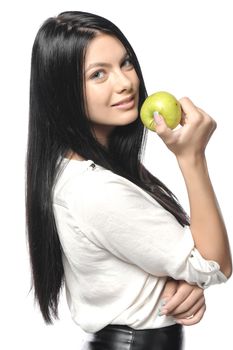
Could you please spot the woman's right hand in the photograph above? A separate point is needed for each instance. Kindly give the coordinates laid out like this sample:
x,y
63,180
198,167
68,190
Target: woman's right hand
x,y
191,139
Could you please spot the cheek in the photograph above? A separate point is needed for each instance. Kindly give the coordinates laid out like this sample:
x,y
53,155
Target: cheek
x,y
136,81
92,98
95,95
95,102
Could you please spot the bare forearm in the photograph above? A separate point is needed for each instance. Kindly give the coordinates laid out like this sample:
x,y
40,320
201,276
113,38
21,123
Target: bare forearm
x,y
207,225
188,143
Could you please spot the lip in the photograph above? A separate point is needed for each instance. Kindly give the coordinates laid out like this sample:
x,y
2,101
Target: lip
x,y
125,103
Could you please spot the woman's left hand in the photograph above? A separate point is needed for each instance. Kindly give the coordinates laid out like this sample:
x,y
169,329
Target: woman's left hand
x,y
185,302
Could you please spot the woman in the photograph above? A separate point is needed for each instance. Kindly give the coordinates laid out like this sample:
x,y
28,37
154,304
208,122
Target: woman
x,y
97,219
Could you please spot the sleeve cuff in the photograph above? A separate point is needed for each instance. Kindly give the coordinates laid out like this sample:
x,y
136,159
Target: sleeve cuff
x,y
207,271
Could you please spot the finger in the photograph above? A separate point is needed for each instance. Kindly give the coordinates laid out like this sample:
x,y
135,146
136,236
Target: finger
x,y
169,289
183,119
187,304
177,300
195,319
188,107
192,311
203,112
208,117
161,128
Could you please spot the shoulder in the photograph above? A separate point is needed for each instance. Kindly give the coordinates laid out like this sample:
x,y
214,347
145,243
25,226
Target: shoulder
x,y
85,179
73,177
94,186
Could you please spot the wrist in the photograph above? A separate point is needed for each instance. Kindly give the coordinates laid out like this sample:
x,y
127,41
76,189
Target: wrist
x,y
192,162
194,170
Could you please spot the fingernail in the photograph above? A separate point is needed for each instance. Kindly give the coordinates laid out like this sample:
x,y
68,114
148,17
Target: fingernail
x,y
163,303
159,313
157,118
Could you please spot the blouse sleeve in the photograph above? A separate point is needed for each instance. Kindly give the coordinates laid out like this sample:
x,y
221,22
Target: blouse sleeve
x,y
119,216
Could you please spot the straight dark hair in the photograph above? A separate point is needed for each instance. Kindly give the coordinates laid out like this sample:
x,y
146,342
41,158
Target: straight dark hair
x,y
57,124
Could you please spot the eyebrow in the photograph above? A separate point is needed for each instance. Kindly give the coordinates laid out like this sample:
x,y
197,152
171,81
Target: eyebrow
x,y
104,64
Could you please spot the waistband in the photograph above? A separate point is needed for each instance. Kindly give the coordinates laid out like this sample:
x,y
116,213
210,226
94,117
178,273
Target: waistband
x,y
119,327
122,337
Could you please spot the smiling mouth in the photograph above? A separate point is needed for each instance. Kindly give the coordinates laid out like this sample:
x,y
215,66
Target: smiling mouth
x,y
124,101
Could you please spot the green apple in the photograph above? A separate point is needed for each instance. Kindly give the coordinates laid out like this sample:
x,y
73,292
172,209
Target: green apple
x,y
166,105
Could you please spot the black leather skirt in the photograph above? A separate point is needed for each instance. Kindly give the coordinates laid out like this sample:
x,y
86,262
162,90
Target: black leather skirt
x,y
119,337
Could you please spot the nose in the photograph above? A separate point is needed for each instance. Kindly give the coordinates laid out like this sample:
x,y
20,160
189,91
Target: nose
x,y
121,82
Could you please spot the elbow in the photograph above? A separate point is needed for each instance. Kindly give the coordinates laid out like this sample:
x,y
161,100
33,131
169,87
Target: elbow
x,y
227,270
226,265
228,273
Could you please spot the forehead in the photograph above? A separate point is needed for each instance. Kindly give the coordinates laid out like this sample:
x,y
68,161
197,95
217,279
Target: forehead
x,y
104,48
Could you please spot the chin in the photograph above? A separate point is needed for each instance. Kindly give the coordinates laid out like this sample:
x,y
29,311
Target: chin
x,y
128,119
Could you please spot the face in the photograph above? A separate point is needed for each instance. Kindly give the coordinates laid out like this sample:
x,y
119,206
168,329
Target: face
x,y
112,86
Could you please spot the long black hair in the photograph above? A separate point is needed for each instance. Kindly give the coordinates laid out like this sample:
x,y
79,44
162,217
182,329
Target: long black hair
x,y
57,124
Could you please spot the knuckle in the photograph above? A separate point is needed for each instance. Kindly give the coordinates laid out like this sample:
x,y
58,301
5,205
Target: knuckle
x,y
199,291
198,318
209,121
169,142
183,294
165,136
214,123
161,129
184,99
198,116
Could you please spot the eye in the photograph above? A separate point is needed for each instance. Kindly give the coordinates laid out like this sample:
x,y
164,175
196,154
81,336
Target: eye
x,y
127,62
98,75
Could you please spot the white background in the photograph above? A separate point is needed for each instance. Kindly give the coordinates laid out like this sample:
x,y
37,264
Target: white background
x,y
184,47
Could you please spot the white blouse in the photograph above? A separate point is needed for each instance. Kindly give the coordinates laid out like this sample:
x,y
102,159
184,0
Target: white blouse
x,y
119,245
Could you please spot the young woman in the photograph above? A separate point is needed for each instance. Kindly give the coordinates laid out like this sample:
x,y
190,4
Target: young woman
x,y
97,219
